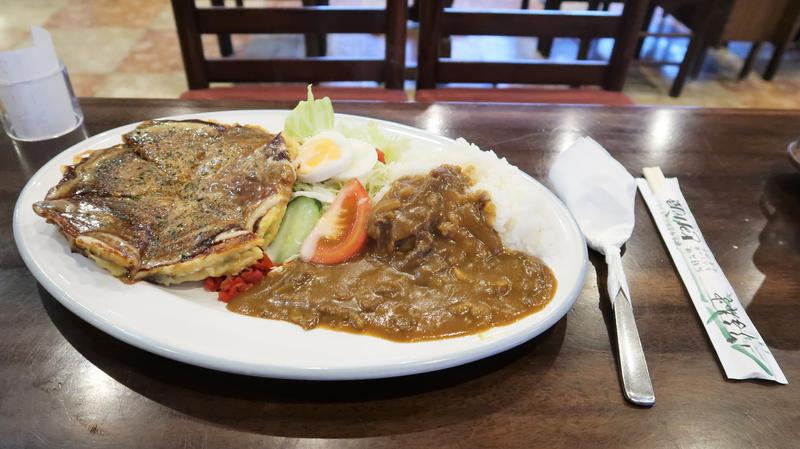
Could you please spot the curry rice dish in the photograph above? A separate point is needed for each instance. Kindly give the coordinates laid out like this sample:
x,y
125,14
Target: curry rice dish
x,y
433,268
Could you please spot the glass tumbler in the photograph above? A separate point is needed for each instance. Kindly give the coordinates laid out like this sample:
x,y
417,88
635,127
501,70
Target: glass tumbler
x,y
41,115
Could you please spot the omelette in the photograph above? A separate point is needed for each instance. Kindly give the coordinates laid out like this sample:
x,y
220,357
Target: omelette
x,y
176,201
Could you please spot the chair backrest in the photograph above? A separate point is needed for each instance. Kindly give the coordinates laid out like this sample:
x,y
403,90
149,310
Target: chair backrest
x,y
762,21
193,21
436,22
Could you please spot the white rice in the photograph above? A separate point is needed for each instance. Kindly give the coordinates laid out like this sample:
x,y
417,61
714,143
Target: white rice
x,y
520,205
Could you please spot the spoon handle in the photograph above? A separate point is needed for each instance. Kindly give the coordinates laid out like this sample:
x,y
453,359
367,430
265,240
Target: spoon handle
x,y
633,367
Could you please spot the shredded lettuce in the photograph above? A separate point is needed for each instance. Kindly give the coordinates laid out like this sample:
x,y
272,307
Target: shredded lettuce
x,y
325,192
376,179
391,146
309,117
314,116
319,195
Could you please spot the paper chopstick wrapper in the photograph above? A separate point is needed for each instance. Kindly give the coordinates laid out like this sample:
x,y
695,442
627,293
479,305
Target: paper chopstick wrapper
x,y
34,95
739,346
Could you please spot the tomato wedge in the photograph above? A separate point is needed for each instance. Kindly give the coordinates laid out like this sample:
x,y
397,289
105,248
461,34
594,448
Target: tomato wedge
x,y
341,232
381,156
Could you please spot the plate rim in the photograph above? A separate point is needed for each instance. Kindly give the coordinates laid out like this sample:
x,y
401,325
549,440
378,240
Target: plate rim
x,y
213,362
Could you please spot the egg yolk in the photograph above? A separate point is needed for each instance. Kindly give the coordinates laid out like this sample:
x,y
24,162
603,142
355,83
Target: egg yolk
x,y
319,152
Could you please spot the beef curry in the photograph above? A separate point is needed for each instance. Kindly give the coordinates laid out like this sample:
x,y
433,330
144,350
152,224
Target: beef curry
x,y
434,267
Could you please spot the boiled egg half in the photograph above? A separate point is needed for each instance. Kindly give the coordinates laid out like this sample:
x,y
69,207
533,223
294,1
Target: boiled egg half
x,y
330,155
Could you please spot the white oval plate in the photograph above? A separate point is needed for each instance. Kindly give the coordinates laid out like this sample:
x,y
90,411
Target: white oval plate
x,y
188,324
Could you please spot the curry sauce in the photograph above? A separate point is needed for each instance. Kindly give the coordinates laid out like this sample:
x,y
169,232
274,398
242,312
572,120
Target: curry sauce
x,y
434,267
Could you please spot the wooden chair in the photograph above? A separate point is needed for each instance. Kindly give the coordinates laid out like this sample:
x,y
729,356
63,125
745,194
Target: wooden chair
x,y
704,18
316,44
193,21
545,43
437,22
760,21
224,40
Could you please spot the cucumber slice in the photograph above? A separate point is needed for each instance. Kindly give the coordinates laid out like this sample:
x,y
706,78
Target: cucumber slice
x,y
301,216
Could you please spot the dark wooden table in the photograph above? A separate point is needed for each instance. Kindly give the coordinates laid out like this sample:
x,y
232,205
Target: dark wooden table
x,y
63,384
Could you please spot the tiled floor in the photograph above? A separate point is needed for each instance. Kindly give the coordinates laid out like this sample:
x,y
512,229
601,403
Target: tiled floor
x,y
129,48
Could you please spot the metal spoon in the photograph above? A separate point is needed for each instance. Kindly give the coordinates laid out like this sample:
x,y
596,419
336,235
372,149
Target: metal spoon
x,y
601,195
